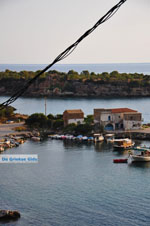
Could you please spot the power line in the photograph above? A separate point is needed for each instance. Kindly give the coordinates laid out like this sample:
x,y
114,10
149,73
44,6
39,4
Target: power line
x,y
64,54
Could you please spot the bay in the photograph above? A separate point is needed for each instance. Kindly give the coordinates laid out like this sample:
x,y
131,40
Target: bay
x,y
76,183
58,105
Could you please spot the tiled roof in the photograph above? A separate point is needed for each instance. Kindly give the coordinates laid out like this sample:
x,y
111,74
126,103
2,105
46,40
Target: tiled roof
x,y
75,111
122,110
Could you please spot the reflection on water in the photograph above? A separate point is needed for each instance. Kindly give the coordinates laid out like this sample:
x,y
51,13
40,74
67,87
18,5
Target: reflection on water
x,y
121,152
102,147
98,147
140,164
75,183
73,145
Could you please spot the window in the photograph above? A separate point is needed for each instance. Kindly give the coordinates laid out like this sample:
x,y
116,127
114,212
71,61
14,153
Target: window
x,y
109,118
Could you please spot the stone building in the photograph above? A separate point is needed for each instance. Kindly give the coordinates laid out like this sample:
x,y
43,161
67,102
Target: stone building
x,y
73,116
118,118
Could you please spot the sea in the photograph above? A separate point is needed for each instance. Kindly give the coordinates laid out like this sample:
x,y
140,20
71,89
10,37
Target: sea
x,y
76,183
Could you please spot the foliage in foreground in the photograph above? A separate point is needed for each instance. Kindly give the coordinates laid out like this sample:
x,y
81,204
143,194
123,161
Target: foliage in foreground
x,y
40,121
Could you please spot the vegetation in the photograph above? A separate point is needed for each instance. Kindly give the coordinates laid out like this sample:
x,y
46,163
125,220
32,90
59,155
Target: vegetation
x,y
55,123
83,76
40,121
54,83
7,112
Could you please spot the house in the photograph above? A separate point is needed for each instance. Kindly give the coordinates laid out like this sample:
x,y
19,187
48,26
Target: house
x,y
118,118
73,116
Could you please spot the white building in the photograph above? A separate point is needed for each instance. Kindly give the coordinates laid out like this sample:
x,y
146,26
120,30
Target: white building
x,y
118,118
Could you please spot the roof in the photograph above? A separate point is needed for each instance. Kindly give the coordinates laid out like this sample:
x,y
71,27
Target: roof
x,y
75,111
122,110
133,113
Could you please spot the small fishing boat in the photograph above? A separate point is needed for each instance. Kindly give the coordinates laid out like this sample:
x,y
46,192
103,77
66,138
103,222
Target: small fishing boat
x,y
139,148
98,137
110,138
85,138
1,148
125,143
36,138
9,215
120,160
143,157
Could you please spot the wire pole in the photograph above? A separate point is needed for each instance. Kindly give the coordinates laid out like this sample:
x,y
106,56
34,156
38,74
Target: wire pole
x,y
45,106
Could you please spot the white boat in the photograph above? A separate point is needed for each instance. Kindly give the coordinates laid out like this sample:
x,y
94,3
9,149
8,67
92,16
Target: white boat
x,y
109,138
139,148
143,157
36,138
125,143
98,137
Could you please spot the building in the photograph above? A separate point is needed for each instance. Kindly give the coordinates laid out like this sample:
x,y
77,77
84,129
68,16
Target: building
x,y
73,116
118,119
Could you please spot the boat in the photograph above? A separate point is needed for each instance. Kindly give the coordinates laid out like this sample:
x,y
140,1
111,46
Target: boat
x,y
9,215
120,160
1,148
125,143
98,137
109,138
139,148
36,138
143,157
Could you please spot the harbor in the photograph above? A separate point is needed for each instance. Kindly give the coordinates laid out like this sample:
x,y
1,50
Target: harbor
x,y
76,174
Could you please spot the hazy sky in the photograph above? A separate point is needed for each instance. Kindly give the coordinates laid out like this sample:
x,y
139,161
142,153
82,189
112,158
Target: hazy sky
x,y
36,31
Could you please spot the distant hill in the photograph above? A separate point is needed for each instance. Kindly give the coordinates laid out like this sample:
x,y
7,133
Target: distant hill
x,y
84,84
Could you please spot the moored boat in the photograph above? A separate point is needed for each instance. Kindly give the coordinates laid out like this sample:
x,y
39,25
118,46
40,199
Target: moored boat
x,y
120,160
98,137
125,143
143,157
36,138
139,148
109,138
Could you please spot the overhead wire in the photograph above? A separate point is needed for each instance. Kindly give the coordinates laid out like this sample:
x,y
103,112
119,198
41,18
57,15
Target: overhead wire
x,y
63,54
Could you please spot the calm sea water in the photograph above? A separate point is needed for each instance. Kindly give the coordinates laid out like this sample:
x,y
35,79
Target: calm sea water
x,y
74,183
57,106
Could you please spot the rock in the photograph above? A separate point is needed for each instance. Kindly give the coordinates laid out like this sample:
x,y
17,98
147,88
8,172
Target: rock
x,y
9,215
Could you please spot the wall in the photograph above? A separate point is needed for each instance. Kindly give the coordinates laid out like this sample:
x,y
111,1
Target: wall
x,y
131,124
75,121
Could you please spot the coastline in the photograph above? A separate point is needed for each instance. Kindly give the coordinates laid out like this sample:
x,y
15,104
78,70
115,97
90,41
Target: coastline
x,y
8,130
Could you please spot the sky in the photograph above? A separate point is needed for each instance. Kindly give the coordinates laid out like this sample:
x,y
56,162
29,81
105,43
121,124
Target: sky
x,y
36,31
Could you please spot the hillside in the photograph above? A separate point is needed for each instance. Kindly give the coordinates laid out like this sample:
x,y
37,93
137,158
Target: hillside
x,y
85,84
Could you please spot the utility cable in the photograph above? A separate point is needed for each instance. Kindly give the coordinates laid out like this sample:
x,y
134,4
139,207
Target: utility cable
x,y
64,54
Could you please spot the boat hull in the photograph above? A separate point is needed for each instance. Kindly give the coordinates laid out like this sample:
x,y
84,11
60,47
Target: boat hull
x,y
136,158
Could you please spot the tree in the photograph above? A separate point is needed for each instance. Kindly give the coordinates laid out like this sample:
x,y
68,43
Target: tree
x,y
89,119
70,128
50,116
59,123
83,129
7,111
37,120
